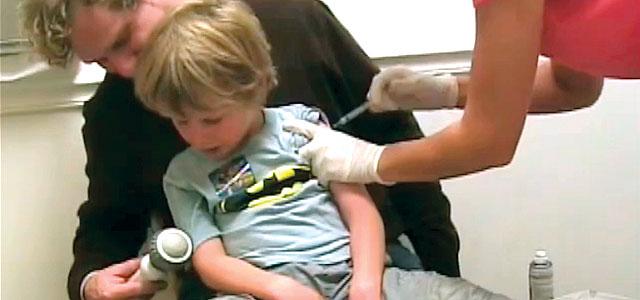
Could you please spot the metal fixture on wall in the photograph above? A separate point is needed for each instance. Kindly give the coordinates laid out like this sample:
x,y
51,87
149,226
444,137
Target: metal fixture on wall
x,y
65,89
14,46
30,85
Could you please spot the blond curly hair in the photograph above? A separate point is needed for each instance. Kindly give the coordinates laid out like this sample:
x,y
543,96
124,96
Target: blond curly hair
x,y
46,24
207,50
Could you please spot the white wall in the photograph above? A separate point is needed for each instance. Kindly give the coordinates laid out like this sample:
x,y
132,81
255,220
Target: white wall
x,y
572,188
405,27
42,185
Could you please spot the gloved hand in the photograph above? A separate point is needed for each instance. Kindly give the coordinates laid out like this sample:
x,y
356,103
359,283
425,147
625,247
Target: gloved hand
x,y
336,156
400,88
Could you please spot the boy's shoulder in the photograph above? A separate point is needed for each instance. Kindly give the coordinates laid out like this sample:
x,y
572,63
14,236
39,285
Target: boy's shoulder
x,y
186,166
300,111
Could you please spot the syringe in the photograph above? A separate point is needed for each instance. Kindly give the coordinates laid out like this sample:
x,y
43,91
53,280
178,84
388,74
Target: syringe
x,y
351,115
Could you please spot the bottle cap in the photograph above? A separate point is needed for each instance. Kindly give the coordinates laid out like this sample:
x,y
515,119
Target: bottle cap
x,y
175,245
171,246
541,256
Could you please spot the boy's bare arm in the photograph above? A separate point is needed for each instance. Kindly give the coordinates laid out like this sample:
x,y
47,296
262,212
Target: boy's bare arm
x,y
367,238
235,276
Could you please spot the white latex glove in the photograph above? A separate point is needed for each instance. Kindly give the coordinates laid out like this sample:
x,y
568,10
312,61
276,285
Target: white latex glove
x,y
336,156
400,88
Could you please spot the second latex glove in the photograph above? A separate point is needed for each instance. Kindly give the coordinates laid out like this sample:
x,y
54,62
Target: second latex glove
x,y
400,88
336,156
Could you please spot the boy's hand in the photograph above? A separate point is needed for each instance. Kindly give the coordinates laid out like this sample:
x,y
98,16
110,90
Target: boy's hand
x,y
364,290
286,288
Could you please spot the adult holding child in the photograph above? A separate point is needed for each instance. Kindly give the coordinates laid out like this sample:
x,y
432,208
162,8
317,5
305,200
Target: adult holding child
x,y
128,147
298,239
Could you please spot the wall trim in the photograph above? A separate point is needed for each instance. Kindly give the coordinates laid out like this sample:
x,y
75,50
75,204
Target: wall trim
x,y
455,63
61,95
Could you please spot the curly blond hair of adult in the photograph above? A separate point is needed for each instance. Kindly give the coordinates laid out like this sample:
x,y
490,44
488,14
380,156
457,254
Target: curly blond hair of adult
x,y
46,24
207,50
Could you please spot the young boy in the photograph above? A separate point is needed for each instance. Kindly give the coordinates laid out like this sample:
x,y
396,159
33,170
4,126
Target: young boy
x,y
261,226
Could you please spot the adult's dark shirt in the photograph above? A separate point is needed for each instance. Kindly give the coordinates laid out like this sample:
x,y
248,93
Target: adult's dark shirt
x,y
318,63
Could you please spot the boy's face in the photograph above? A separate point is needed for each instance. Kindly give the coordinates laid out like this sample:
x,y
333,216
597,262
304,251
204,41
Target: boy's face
x,y
220,131
114,38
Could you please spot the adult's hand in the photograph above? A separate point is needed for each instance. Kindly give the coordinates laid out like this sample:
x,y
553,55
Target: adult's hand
x,y
336,156
120,281
400,88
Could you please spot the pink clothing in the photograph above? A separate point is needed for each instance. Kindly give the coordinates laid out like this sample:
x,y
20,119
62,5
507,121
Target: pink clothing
x,y
599,37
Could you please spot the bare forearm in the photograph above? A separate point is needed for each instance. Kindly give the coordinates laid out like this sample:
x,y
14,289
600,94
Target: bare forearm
x,y
367,246
452,152
232,275
366,233
556,89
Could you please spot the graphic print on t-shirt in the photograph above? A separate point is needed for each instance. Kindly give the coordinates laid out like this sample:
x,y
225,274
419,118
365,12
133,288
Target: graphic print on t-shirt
x,y
232,177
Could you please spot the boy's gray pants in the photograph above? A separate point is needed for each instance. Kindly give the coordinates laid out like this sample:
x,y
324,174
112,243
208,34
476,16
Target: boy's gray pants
x,y
333,283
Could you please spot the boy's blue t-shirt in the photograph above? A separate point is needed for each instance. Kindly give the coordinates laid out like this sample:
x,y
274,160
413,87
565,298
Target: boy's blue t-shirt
x,y
303,227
